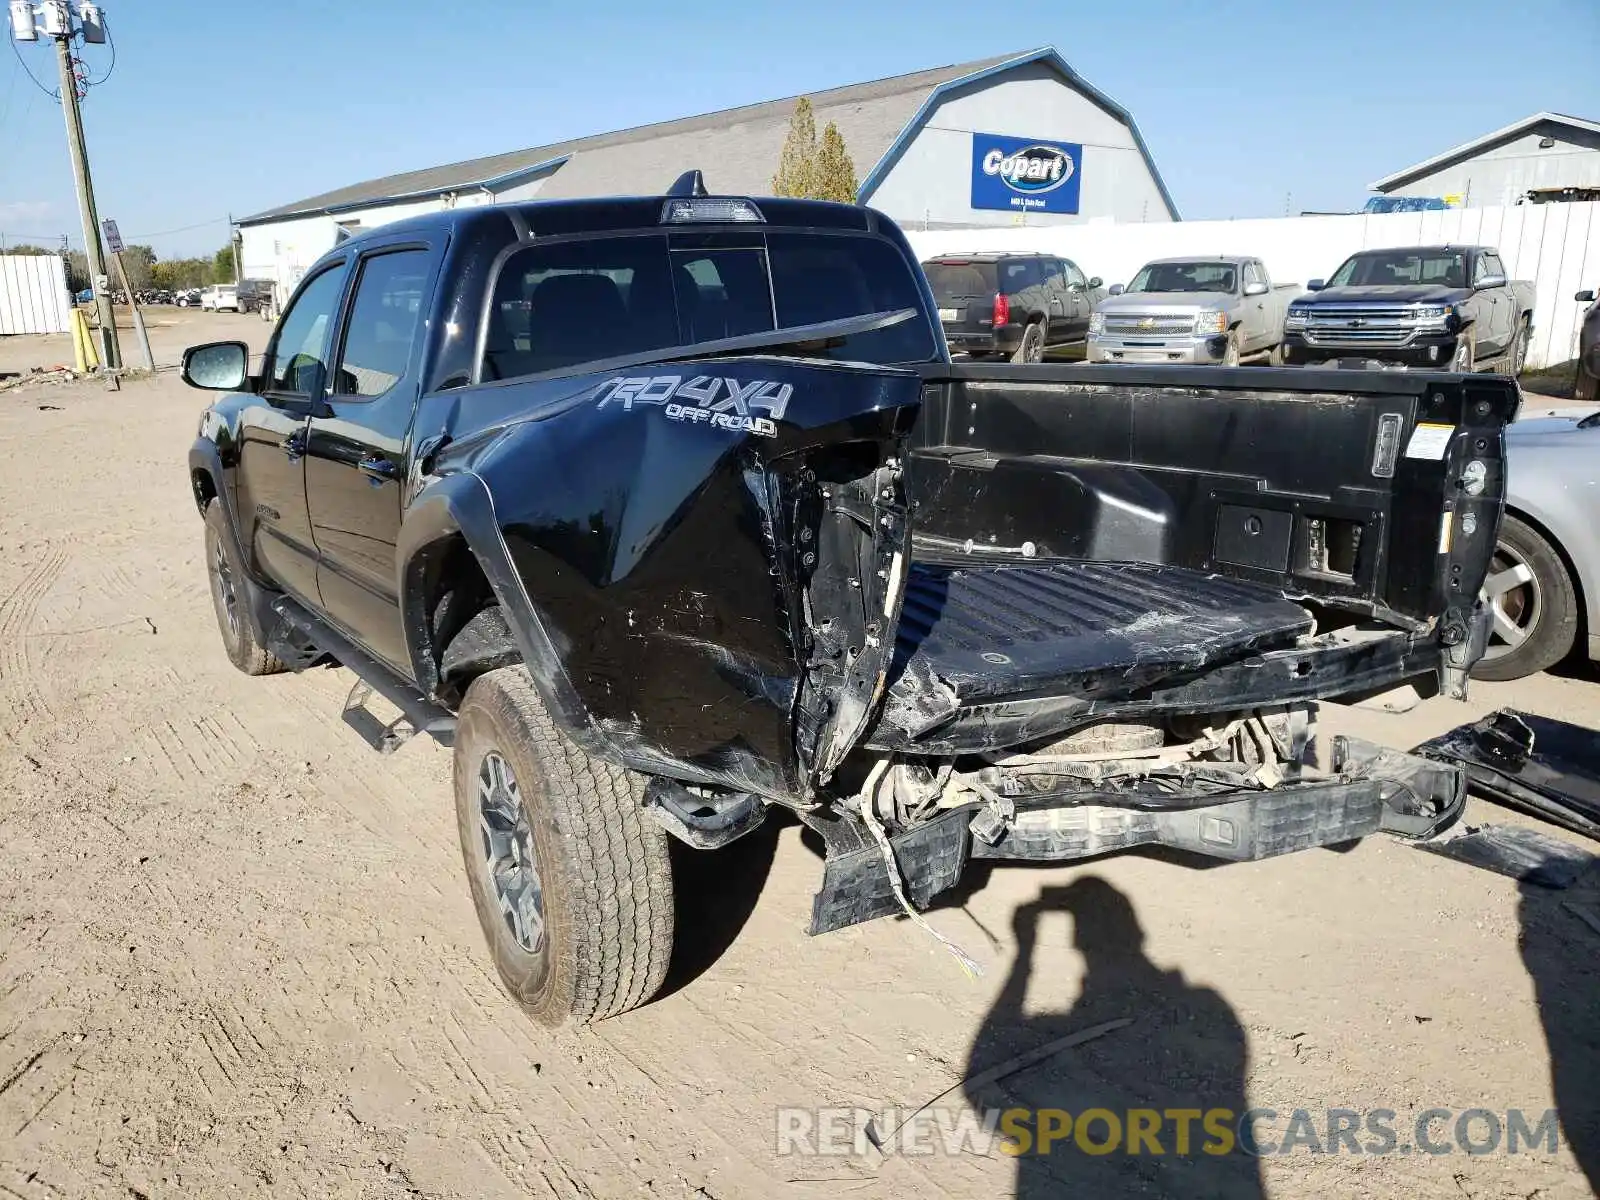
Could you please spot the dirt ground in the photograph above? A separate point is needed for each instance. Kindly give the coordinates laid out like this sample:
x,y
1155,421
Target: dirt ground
x,y
237,954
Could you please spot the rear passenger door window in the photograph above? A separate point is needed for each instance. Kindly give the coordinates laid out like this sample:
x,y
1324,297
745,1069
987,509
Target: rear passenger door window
x,y
382,327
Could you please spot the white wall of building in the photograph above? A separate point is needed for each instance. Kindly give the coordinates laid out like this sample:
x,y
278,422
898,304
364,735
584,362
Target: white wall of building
x,y
1555,245
931,184
33,294
282,251
1505,173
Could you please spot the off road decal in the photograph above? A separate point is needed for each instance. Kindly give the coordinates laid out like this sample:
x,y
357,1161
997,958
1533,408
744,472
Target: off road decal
x,y
715,400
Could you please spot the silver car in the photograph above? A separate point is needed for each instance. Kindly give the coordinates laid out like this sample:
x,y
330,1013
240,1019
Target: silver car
x,y
1544,582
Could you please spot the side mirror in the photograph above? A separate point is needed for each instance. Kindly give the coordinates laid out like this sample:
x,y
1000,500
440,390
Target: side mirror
x,y
1585,297
217,366
1115,289
1316,285
1255,289
1095,281
1489,281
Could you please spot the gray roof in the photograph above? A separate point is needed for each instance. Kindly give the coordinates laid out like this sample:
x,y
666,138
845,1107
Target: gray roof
x,y
1557,122
738,146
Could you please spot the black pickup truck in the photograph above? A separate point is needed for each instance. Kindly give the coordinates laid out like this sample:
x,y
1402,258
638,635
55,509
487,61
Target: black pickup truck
x,y
1428,307
670,512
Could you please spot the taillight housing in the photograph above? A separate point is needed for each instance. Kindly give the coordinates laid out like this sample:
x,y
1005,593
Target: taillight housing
x,y
1002,310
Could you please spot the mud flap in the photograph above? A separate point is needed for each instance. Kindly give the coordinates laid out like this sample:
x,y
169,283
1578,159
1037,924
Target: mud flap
x,y
855,885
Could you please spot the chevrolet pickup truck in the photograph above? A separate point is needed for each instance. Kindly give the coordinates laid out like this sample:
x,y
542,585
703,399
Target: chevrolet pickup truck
x,y
668,513
1424,306
1192,310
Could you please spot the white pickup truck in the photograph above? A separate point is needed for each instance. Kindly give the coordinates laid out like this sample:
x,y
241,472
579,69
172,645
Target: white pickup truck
x,y
1192,310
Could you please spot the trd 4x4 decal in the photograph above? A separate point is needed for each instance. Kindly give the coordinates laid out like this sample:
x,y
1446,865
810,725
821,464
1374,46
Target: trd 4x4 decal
x,y
705,399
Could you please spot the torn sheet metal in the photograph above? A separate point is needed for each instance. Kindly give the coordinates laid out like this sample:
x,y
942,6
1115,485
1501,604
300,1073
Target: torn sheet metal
x,y
1522,854
1548,769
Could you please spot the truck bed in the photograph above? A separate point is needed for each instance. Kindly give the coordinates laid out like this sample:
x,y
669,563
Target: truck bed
x,y
988,635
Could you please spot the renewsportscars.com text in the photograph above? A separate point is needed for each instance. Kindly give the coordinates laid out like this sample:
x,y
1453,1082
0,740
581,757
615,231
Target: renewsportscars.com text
x,y
825,1132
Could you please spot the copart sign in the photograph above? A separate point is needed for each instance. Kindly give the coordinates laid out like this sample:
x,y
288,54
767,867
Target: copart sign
x,y
1025,174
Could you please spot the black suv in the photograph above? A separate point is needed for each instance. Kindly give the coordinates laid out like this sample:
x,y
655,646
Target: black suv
x,y
255,295
1016,304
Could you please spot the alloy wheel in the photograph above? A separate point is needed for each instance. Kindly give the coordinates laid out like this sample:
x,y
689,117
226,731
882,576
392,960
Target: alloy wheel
x,y
508,855
1515,602
225,591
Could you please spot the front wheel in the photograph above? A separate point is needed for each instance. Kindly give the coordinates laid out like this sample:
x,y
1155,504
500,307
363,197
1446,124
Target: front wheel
x,y
1533,604
1465,356
1519,350
570,878
1230,355
229,598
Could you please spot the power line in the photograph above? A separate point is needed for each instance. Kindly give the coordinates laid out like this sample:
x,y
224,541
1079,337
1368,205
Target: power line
x,y
53,95
134,237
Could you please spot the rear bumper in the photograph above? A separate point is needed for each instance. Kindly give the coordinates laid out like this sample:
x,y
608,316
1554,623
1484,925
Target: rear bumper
x,y
1004,340
1109,349
1368,790
1431,351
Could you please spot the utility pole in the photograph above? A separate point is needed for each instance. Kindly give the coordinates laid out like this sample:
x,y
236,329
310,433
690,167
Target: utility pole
x,y
56,19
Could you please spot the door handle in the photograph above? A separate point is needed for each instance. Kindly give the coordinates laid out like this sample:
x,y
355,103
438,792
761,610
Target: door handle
x,y
294,445
378,470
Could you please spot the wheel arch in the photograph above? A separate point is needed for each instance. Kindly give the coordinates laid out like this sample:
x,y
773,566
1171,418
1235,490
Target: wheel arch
x,y
450,535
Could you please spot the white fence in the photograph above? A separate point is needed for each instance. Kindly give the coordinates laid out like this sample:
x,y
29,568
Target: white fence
x,y
1555,245
33,294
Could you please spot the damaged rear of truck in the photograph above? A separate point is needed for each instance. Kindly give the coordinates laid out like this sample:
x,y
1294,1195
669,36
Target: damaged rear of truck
x,y
785,555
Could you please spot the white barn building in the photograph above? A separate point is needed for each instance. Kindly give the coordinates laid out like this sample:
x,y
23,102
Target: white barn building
x,y
1020,139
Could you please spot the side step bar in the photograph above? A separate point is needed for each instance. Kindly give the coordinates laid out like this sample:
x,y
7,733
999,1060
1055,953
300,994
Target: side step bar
x,y
418,713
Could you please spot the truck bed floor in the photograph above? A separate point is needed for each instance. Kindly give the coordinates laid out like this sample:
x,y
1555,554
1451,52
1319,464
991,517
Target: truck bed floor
x,y
985,635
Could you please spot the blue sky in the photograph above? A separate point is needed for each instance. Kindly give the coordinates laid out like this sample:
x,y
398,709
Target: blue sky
x,y
224,106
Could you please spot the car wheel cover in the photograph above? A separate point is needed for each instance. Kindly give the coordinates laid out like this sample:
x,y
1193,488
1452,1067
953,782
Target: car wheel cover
x,y
1516,602
1462,359
507,854
1034,351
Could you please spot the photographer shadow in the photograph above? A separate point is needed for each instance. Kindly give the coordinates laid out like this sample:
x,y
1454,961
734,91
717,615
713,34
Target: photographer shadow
x,y
1185,1050
1560,955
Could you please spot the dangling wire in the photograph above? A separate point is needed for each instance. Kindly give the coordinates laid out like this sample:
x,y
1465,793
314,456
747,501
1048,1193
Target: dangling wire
x,y
51,92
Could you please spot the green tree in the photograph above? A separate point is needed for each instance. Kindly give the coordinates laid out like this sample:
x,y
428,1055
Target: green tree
x,y
833,174
139,262
222,265
796,163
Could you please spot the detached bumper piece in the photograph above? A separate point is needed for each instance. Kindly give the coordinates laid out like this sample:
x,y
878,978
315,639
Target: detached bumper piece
x,y
1370,790
1548,769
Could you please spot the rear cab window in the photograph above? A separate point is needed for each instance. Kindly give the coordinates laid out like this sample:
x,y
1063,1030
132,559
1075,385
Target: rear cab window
x,y
559,305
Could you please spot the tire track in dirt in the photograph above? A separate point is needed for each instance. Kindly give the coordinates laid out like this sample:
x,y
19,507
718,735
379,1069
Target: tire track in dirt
x,y
18,687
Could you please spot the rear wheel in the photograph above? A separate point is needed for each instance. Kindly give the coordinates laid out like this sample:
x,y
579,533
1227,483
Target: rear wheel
x,y
1032,348
1533,602
229,598
570,878
1275,356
